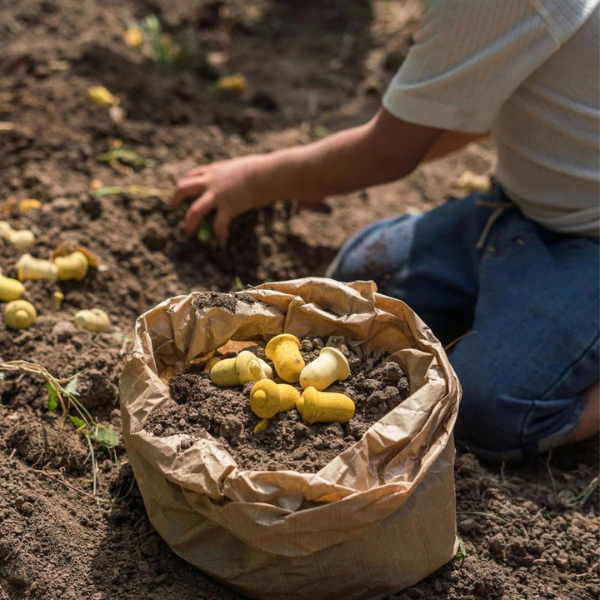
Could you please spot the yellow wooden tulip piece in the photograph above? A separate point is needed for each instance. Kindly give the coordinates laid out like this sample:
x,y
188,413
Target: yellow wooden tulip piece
x,y
22,240
19,314
267,370
10,289
325,407
235,84
35,268
284,351
268,398
94,319
134,37
58,298
260,426
5,229
331,366
210,364
242,369
74,266
29,204
100,95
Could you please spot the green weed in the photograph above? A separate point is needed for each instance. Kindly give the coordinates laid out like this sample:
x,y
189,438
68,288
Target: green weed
x,y
65,398
578,501
238,286
127,157
134,191
167,50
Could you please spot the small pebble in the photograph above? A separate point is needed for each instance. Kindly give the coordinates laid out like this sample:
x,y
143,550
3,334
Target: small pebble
x,y
306,346
467,525
354,362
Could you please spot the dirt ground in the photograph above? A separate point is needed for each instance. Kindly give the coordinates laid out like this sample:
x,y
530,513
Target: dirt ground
x,y
312,68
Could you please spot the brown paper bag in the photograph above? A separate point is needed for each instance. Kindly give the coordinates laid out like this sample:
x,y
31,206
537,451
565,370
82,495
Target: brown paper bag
x,y
376,519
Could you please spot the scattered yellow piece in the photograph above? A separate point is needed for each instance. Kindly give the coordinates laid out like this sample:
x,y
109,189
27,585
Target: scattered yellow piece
x,y
95,184
133,37
10,289
325,407
117,114
331,366
5,230
100,95
94,319
268,398
260,426
235,84
19,314
22,240
284,351
474,183
58,65
74,266
230,372
210,364
58,298
67,249
267,370
29,204
29,267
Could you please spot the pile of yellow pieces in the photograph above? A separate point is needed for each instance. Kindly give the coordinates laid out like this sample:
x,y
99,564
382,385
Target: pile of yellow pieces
x,y
20,314
268,398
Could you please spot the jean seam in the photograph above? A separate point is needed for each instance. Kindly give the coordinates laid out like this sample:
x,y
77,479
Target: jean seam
x,y
545,395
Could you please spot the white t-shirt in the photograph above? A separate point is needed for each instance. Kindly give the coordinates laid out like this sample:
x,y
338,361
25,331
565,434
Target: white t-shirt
x,y
528,70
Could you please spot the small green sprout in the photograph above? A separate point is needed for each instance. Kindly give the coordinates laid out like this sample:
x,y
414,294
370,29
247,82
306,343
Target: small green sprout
x,y
205,232
128,157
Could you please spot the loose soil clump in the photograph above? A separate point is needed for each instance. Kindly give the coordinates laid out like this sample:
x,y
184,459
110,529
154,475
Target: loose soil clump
x,y
227,302
200,409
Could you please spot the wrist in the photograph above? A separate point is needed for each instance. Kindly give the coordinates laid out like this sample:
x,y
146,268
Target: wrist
x,y
275,176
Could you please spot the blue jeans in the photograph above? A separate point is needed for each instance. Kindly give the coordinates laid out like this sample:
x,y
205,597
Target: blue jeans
x,y
528,296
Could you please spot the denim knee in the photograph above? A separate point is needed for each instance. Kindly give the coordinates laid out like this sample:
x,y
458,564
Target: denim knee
x,y
487,424
505,422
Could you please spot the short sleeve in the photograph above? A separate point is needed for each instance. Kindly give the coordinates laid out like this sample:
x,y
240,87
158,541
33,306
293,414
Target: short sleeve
x,y
468,58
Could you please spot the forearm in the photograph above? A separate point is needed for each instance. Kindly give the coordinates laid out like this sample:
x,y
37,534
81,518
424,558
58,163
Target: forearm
x,y
383,150
451,141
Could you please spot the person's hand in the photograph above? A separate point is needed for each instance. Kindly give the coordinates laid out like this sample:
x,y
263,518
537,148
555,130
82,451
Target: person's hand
x,y
230,188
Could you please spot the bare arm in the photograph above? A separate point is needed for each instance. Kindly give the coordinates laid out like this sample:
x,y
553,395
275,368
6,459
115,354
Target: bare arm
x,y
382,150
451,141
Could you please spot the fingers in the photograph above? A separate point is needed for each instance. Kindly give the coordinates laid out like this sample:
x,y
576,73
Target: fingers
x,y
221,225
202,169
188,187
315,205
196,171
197,212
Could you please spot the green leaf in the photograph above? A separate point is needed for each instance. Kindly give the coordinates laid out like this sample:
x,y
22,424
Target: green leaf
x,y
106,436
2,376
462,550
52,397
72,386
77,422
205,232
238,286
